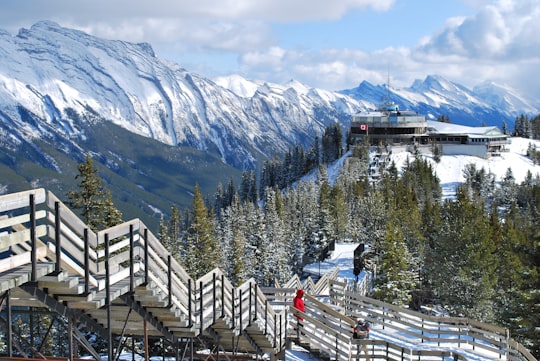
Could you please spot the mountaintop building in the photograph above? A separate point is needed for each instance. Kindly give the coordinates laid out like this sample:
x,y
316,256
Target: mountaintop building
x,y
391,127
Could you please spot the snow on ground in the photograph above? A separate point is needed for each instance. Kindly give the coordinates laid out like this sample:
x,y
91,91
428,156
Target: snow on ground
x,y
450,173
342,257
450,168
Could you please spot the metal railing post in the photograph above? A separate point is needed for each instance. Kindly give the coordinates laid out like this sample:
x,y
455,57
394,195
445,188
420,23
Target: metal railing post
x,y
86,263
190,300
233,298
146,275
213,297
255,294
266,317
57,237
222,295
201,313
169,274
250,302
33,240
131,257
108,298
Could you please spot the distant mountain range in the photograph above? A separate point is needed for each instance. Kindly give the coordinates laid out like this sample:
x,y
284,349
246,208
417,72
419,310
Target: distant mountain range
x,y
156,128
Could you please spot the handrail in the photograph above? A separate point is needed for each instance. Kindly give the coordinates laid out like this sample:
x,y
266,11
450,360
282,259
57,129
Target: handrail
x,y
443,331
132,250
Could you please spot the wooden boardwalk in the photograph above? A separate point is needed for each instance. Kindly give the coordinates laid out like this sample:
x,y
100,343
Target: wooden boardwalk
x,y
122,282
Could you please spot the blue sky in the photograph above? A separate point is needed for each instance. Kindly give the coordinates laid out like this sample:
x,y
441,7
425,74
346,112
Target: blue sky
x,y
327,44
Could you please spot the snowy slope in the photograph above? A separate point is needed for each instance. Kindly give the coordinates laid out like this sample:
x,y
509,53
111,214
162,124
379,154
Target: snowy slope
x,y
434,96
450,169
63,76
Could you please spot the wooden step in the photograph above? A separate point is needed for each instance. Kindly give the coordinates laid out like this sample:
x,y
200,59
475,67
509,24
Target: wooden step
x,y
22,274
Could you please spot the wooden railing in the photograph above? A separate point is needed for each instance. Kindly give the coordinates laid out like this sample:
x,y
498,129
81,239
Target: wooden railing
x,y
36,228
460,336
43,235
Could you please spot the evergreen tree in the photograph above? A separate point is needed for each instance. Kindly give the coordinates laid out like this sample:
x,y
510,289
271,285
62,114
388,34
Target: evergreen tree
x,y
332,147
232,235
479,183
163,233
394,281
463,265
275,250
201,252
507,192
313,156
444,119
339,213
248,188
174,232
93,199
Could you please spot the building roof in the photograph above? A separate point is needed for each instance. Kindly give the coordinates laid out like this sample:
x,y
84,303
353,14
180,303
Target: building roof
x,y
449,128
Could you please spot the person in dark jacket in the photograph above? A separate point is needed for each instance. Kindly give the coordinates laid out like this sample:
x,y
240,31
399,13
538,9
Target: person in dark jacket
x,y
361,331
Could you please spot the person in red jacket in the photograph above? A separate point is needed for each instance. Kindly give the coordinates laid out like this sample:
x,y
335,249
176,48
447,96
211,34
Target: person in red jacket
x,y
298,303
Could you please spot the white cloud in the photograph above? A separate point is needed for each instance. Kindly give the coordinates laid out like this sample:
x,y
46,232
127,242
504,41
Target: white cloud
x,y
497,30
500,42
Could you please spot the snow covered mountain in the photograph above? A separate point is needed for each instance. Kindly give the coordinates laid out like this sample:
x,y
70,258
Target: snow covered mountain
x,y
55,73
157,128
486,104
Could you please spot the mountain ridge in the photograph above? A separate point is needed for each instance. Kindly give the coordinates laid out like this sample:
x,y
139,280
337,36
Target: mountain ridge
x,y
58,85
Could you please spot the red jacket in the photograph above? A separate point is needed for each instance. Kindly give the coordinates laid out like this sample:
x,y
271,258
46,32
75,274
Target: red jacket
x,y
298,302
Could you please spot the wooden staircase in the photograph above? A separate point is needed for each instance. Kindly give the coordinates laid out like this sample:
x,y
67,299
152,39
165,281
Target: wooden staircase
x,y
122,281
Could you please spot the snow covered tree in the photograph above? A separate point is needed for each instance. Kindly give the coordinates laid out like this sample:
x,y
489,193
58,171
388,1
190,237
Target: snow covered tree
x,y
93,199
394,281
339,212
506,193
463,265
201,253
248,187
232,229
275,248
479,182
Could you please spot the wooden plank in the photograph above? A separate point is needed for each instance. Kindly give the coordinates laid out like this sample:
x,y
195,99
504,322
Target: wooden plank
x,y
22,274
12,262
18,200
71,220
74,267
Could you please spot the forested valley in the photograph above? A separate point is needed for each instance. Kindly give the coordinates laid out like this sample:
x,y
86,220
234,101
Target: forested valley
x,y
476,254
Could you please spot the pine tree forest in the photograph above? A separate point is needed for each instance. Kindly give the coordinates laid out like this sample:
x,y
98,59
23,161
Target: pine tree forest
x,y
477,255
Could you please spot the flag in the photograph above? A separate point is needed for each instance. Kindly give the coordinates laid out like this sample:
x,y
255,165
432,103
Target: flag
x,y
363,127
